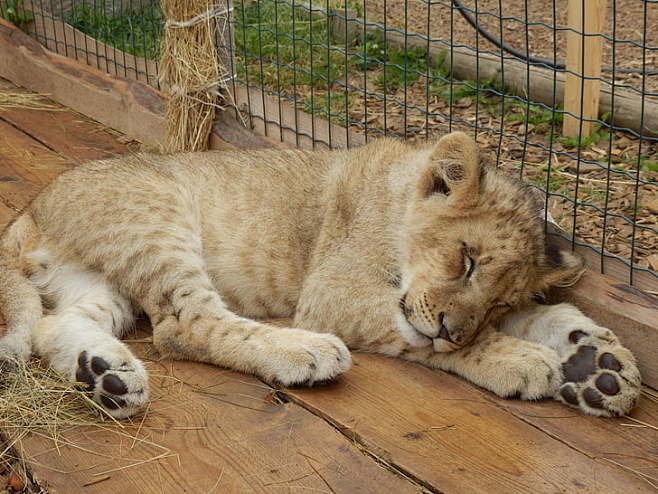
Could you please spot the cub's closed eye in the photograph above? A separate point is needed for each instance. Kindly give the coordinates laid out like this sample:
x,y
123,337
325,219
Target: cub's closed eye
x,y
470,266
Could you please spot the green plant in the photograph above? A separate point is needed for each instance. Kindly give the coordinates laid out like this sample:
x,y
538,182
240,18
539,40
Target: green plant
x,y
535,114
371,51
584,142
14,11
401,67
291,45
137,33
484,93
649,163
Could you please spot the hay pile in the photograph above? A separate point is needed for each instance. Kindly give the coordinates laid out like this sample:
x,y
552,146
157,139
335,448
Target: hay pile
x,y
28,101
190,71
35,398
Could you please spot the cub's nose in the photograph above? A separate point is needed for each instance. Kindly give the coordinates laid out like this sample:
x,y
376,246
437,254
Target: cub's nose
x,y
444,332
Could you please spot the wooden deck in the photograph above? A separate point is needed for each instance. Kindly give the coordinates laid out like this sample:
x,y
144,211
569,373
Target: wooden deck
x,y
386,426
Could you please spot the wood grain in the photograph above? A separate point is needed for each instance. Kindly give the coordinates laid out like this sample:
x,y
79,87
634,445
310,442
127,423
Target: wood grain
x,y
623,441
6,215
62,130
584,58
218,431
26,166
132,107
440,429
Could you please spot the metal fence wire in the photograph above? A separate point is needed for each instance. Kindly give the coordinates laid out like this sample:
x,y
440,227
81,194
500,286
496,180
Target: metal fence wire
x,y
342,72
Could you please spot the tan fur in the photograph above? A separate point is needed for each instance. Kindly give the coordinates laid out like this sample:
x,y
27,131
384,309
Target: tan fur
x,y
372,245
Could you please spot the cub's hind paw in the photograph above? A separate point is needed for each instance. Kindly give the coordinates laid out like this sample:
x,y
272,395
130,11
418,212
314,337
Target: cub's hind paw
x,y
119,386
600,375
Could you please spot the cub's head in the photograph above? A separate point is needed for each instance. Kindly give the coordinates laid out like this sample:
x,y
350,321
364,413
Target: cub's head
x,y
474,248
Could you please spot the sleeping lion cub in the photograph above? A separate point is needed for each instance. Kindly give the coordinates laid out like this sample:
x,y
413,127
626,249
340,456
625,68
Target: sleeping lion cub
x,y
418,252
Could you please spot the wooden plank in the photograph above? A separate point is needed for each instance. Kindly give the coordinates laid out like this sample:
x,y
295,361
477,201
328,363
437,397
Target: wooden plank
x,y
6,215
128,106
63,130
631,313
584,58
286,124
26,166
438,428
131,107
218,431
621,441
67,41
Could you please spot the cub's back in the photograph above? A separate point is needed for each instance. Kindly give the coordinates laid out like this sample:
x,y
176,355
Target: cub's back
x,y
255,215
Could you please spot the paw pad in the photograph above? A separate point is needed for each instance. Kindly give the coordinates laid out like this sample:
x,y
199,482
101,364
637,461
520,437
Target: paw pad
x,y
83,374
112,384
569,395
607,383
106,387
600,375
608,361
580,365
98,365
593,398
575,336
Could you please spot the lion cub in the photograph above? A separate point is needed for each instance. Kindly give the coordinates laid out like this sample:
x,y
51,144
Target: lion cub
x,y
419,252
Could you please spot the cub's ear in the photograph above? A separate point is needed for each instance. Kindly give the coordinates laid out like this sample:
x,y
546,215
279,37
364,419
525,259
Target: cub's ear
x,y
563,267
453,170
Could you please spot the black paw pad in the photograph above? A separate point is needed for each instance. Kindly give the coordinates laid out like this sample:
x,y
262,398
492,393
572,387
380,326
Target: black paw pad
x,y
580,365
99,366
569,395
112,403
83,374
607,383
112,384
577,335
608,361
593,398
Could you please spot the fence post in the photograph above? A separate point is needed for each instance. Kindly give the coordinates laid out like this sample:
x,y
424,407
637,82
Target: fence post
x,y
189,72
584,56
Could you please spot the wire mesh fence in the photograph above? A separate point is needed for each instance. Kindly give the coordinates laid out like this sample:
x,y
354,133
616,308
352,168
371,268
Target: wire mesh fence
x,y
347,71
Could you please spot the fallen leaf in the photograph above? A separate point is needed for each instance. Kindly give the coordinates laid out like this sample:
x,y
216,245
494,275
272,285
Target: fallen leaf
x,y
15,482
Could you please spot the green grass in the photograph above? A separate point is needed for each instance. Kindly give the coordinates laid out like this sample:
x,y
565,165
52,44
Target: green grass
x,y
584,142
273,30
649,163
542,118
14,12
278,46
137,33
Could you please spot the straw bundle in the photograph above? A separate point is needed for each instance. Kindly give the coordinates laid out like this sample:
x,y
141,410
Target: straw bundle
x,y
190,71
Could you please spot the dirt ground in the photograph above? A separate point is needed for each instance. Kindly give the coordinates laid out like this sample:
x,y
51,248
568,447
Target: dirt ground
x,y
611,205
624,23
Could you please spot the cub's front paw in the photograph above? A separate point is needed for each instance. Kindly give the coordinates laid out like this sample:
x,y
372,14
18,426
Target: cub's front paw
x,y
300,357
600,375
532,374
117,382
512,368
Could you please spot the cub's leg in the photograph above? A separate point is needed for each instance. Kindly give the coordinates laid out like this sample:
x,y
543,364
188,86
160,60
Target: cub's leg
x,y
505,365
79,337
599,375
191,322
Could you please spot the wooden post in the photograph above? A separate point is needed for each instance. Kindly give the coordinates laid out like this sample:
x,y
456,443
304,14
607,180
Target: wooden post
x,y
584,54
